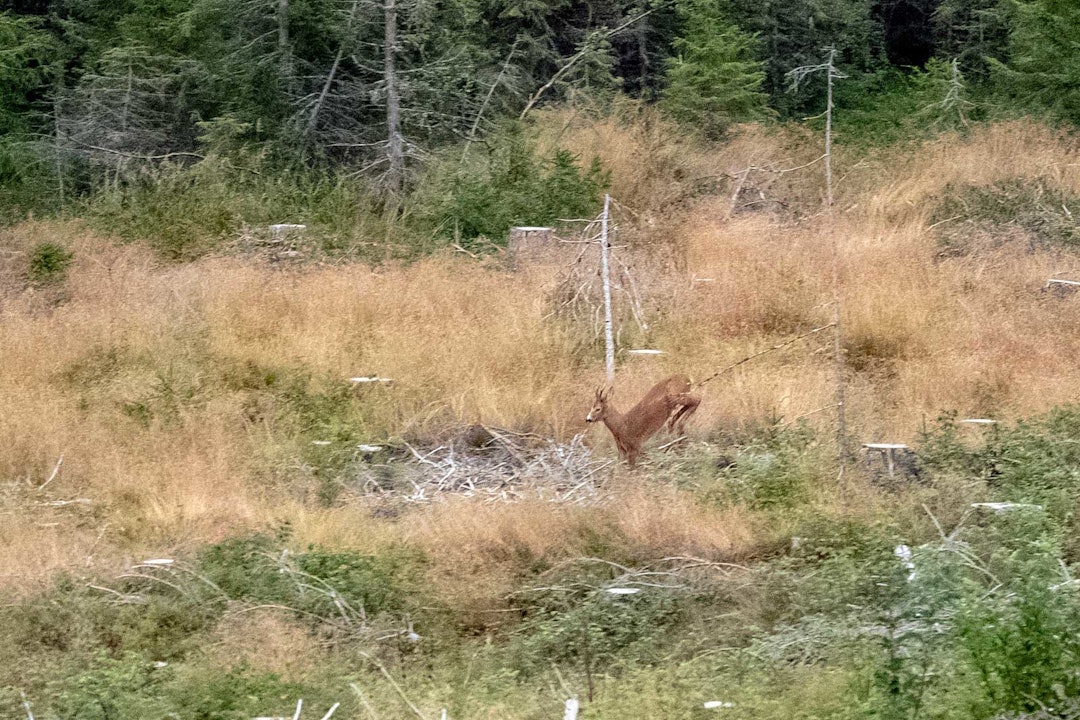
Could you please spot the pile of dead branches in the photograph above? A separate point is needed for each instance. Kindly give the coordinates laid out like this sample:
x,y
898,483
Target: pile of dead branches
x,y
495,464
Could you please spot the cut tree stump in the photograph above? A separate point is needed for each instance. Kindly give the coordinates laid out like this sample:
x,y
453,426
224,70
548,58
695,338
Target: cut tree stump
x,y
533,245
888,454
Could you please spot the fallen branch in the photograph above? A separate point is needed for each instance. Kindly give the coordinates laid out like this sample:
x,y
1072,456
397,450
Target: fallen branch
x,y
393,683
774,348
55,472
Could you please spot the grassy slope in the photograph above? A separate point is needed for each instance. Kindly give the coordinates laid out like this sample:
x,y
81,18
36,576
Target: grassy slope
x,y
184,398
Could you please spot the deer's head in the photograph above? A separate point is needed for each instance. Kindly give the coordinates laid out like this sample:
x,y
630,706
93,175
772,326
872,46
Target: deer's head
x,y
600,405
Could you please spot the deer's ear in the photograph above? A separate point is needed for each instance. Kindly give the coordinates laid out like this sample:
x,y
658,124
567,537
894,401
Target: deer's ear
x,y
607,392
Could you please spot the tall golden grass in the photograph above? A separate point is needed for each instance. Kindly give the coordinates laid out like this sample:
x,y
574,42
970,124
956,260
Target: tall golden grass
x,y
470,343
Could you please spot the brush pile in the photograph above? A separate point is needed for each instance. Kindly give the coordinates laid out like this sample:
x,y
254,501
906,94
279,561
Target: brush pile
x,y
493,463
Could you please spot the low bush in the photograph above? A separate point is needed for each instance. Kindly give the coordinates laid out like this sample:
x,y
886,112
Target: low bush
x,y
773,468
512,185
316,583
49,262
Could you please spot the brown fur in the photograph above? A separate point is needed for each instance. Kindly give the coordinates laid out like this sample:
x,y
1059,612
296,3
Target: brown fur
x,y
669,401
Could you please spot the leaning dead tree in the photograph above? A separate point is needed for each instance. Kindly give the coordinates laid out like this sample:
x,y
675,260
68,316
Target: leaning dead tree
x,y
594,44
796,78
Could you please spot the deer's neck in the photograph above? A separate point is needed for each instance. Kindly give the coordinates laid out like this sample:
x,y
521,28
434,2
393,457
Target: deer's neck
x,y
615,420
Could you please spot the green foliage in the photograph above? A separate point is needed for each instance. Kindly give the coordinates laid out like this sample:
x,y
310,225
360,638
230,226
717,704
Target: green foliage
x,y
323,418
773,470
979,623
515,187
1035,462
255,569
794,34
28,56
974,32
237,694
49,262
578,624
184,212
152,620
127,686
714,79
28,180
1024,647
893,106
1043,71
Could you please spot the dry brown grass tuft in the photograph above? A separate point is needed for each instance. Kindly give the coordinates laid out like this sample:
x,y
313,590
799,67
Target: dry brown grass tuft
x,y
656,167
264,640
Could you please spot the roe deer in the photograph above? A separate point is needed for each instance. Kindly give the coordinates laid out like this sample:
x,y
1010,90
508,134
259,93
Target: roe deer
x,y
669,401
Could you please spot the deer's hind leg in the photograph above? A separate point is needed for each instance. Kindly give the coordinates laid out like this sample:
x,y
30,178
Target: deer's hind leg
x,y
686,405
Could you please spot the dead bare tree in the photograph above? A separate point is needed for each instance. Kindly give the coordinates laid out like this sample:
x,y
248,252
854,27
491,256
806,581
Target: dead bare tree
x,y
796,77
132,106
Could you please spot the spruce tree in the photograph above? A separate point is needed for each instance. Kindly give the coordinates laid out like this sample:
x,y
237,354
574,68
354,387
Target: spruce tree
x,y
1044,69
714,79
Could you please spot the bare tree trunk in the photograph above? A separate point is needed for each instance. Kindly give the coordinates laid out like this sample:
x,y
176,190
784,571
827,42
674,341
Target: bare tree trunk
x,y
395,143
643,52
313,119
838,349
58,142
828,130
284,49
124,116
796,76
609,342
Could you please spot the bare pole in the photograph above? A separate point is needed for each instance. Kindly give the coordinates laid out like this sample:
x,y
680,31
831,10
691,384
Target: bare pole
x,y
838,349
609,342
796,77
829,73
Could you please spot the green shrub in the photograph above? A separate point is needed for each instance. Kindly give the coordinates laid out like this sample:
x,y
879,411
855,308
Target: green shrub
x,y
1024,647
512,186
771,470
1037,461
49,263
256,569
151,618
982,623
238,694
590,629
128,686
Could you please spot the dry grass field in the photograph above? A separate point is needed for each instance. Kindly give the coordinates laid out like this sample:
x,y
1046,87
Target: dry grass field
x,y
183,398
